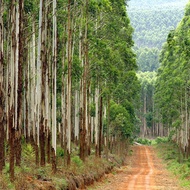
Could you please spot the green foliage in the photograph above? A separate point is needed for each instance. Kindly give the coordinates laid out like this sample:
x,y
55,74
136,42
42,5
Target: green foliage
x,y
152,20
60,152
92,110
161,140
28,151
120,120
147,80
148,59
77,161
172,83
144,141
6,168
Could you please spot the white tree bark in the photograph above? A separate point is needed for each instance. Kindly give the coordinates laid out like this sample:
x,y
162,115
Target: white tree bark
x,y
77,102
54,95
39,71
97,115
16,63
33,81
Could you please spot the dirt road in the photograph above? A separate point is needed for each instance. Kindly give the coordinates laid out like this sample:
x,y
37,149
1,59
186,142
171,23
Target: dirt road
x,y
144,172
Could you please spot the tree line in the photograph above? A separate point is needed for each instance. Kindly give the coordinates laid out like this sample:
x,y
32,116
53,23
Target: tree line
x,y
152,20
172,85
67,77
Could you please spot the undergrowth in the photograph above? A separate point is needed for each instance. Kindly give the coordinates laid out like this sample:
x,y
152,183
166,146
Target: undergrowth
x,y
180,167
146,141
29,176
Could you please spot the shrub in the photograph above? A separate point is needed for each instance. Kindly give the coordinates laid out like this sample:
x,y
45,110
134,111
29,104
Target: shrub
x,y
60,152
77,161
161,140
144,141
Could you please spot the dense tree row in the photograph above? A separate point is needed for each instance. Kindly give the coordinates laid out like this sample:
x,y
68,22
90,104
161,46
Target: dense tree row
x,y
148,115
172,86
67,76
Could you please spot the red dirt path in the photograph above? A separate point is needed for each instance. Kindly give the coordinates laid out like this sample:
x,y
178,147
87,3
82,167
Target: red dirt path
x,y
144,172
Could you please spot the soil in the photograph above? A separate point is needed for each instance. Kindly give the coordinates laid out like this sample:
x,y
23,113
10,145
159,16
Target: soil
x,y
144,171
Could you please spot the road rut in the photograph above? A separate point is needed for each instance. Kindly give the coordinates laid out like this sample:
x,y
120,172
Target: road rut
x,y
145,171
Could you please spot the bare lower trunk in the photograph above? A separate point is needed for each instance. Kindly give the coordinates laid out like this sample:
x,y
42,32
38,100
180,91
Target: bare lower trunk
x,y
11,144
96,120
36,152
54,165
42,145
144,118
48,146
100,129
107,131
2,146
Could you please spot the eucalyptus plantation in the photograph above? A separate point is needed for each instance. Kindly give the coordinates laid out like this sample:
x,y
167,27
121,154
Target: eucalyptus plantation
x,y
67,80
172,85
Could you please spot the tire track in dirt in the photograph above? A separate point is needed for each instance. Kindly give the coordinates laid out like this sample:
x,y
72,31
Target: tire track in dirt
x,y
143,172
143,179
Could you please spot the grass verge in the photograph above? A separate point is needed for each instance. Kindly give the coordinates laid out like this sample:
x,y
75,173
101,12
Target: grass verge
x,y
176,164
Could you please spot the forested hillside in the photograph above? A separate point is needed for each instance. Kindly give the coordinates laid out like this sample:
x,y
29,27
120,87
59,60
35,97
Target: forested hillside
x,y
68,84
152,20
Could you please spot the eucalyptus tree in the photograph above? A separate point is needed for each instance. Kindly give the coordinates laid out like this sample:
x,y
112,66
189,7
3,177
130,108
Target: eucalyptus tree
x,y
147,127
54,88
13,66
2,91
172,87
115,65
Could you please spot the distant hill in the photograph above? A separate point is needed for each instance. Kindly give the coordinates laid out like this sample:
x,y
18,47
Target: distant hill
x,y
152,20
155,4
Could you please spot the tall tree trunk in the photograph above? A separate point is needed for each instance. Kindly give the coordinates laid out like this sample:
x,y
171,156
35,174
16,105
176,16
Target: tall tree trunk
x,y
20,83
69,84
39,82
48,108
144,117
107,131
96,124
2,93
77,102
43,57
100,125
54,110
13,84
33,81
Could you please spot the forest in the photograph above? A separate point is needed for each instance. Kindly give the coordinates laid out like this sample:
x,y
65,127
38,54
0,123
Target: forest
x,y
76,90
172,84
68,83
152,21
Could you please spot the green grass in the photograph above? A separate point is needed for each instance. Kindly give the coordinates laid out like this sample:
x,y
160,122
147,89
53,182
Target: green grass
x,y
176,164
